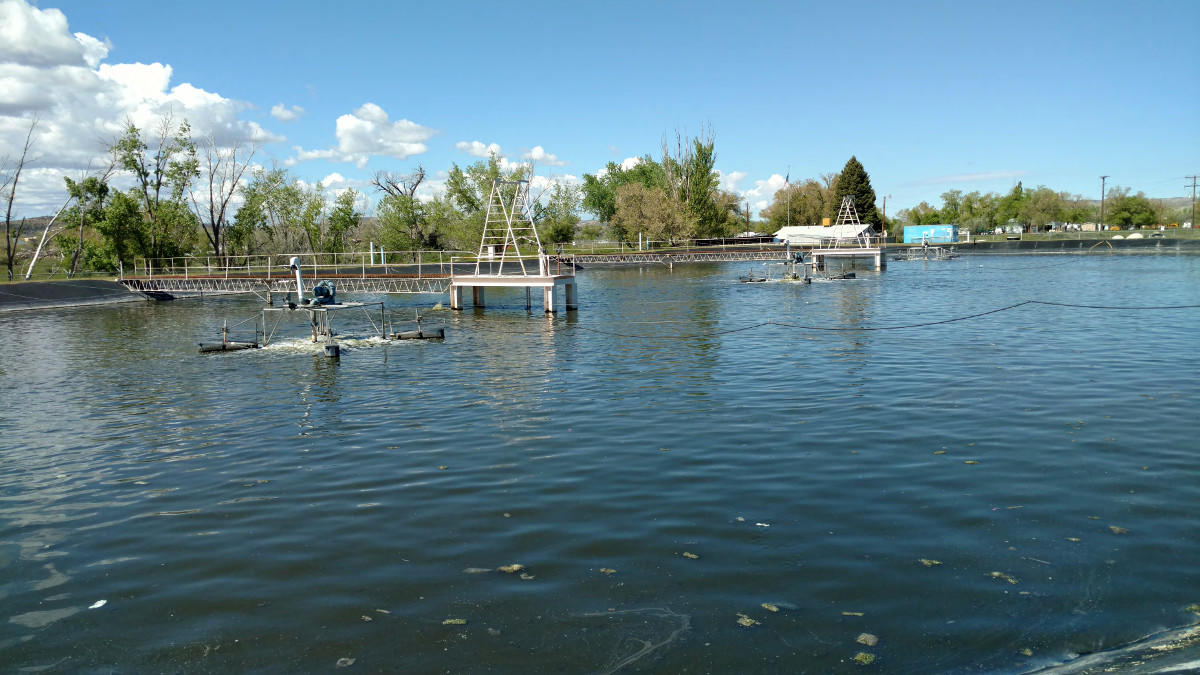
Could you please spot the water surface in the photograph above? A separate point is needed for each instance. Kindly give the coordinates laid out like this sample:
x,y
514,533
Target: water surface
x,y
992,494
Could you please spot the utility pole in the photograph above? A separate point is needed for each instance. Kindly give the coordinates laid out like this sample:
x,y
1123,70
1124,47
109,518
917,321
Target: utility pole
x,y
1102,179
1193,199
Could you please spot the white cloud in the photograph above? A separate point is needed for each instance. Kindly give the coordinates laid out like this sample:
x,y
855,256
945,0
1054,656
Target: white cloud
x,y
542,184
539,154
507,164
626,164
478,148
763,192
731,180
333,179
366,132
82,103
285,113
38,38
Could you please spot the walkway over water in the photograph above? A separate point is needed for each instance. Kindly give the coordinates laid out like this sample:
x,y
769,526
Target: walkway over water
x,y
420,271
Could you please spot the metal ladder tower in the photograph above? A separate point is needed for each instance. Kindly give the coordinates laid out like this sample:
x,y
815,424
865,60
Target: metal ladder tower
x,y
507,225
848,216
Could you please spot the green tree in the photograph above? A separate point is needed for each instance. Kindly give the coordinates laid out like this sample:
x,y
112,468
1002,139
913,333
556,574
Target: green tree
x,y
121,230
977,212
1008,208
162,177
651,213
600,190
855,182
561,215
469,190
1040,207
343,220
951,211
89,195
809,203
1130,211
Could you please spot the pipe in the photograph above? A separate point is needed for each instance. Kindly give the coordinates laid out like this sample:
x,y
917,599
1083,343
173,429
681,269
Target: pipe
x,y
299,285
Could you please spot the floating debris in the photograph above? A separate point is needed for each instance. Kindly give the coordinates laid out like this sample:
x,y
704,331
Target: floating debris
x,y
1074,539
1027,652
511,569
1118,530
929,562
443,467
970,461
383,611
98,604
607,570
746,621
507,514
867,639
1194,608
763,524
345,662
852,614
1001,575
477,570
691,556
864,658
939,452
365,617
454,622
1014,508
740,519
770,607
527,577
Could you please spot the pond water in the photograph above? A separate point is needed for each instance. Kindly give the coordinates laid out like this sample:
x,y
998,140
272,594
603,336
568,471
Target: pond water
x,y
688,474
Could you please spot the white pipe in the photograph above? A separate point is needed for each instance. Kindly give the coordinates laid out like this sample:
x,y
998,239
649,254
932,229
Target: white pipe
x,y
299,286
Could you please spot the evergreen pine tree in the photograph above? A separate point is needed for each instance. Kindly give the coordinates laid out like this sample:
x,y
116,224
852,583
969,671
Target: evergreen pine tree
x,y
855,182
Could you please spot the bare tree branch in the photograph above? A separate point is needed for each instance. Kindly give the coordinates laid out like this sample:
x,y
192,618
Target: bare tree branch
x,y
398,185
8,183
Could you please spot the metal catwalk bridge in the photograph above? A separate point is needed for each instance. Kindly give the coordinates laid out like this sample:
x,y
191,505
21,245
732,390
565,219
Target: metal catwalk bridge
x,y
431,272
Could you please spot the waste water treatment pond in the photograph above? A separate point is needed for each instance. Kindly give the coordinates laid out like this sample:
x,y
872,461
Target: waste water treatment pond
x,y
688,474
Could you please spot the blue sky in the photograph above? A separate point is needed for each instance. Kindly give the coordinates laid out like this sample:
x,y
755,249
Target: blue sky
x,y
930,96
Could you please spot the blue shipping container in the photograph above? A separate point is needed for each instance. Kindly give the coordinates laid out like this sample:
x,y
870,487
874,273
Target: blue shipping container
x,y
934,234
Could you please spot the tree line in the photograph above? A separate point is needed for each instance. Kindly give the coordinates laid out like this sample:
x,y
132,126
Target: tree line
x,y
1038,209
203,199
673,198
812,200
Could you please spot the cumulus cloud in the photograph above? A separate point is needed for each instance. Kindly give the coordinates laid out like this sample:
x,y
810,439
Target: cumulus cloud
x,y
626,164
539,154
285,113
764,191
333,179
478,148
730,181
83,103
367,132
